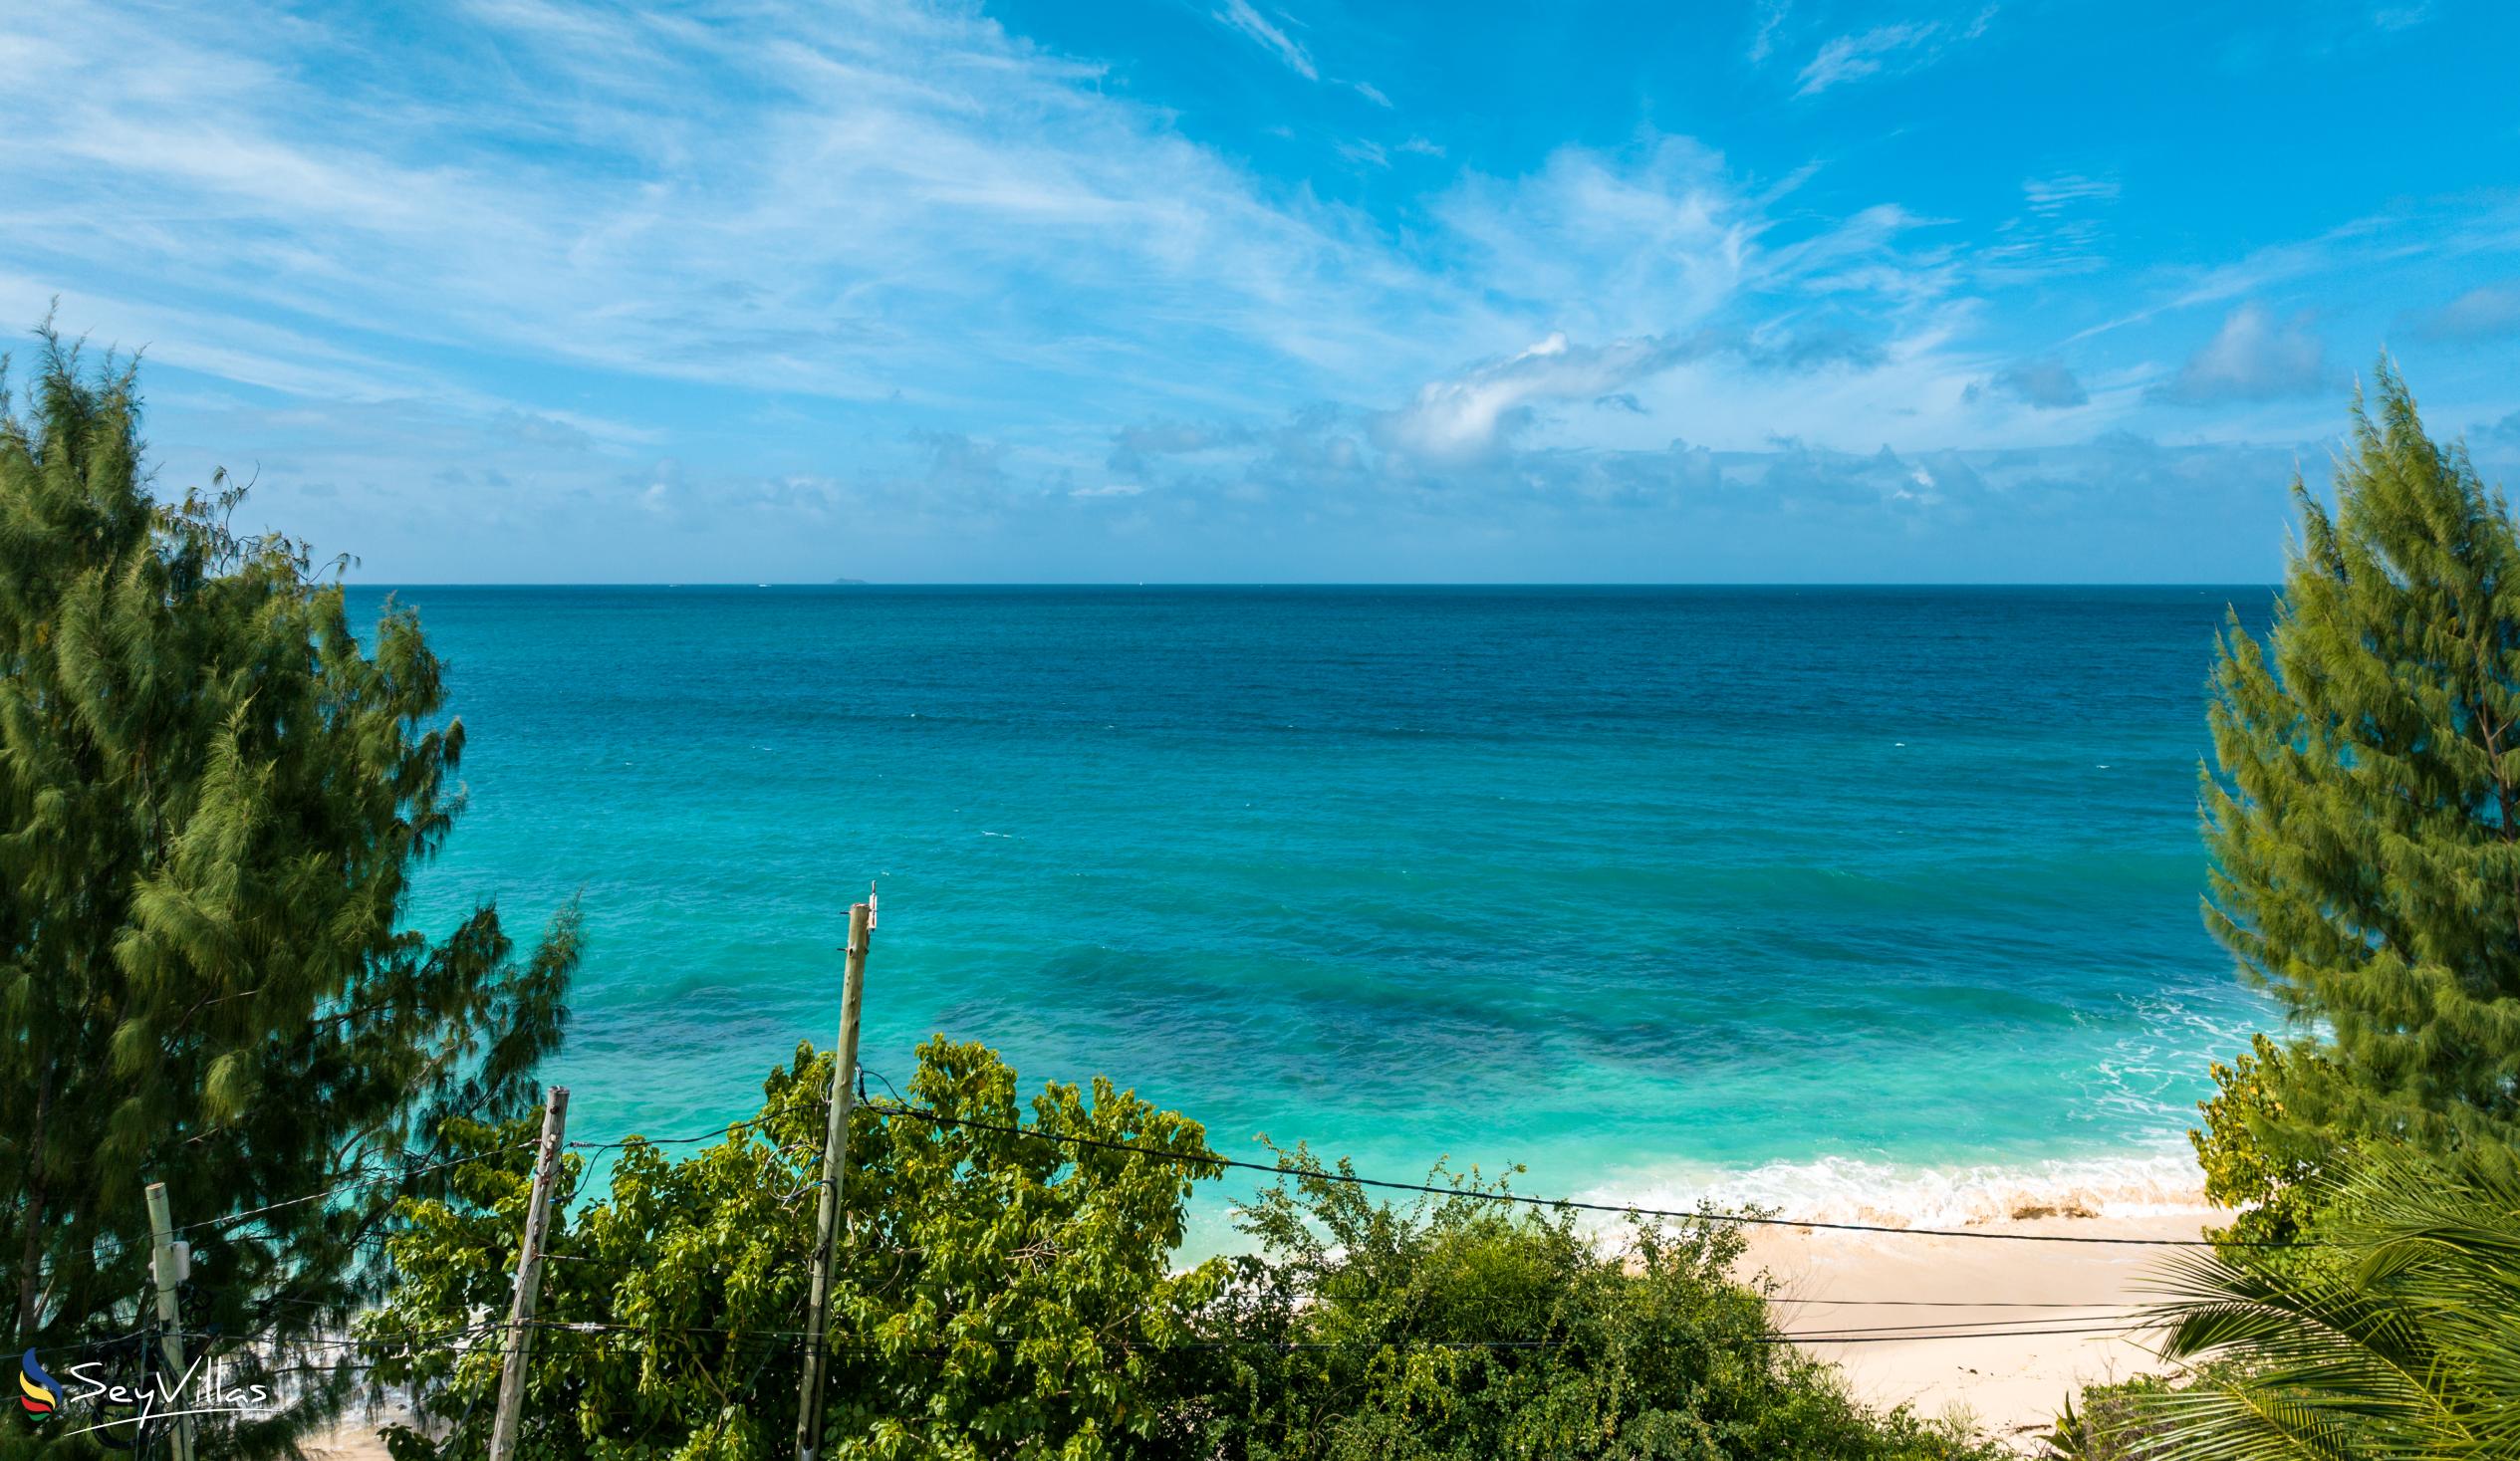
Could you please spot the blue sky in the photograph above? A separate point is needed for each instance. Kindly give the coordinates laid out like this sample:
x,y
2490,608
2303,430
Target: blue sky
x,y
1235,290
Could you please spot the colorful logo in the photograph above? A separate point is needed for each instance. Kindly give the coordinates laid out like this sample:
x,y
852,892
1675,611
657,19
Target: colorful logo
x,y
42,1392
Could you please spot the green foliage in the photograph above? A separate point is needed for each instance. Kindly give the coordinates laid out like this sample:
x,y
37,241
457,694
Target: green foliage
x,y
1005,1296
1362,1332
213,797
2404,1347
2115,1422
997,1294
2254,1161
2366,821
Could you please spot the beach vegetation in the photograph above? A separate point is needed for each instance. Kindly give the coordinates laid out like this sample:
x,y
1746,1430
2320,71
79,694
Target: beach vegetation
x,y
1008,1288
213,798
2404,1345
996,1293
2364,819
1464,1326
2256,1165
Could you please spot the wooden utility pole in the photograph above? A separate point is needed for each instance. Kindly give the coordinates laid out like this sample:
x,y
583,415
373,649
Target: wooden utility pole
x,y
166,1264
809,1409
529,1278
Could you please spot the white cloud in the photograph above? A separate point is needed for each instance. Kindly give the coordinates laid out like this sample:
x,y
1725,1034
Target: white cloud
x,y
963,267
2044,385
1241,15
1469,415
1852,58
1772,15
2488,312
833,226
2253,356
889,168
2050,196
1679,508
1618,246
1901,46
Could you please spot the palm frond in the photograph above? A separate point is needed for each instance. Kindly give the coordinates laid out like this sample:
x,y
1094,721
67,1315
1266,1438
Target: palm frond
x,y
2407,1345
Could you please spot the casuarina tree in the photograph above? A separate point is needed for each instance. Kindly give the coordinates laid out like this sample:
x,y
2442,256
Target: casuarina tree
x,y
213,800
2366,823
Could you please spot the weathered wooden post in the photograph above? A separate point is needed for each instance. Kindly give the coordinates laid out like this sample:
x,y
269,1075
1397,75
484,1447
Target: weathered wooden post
x,y
529,1278
809,1409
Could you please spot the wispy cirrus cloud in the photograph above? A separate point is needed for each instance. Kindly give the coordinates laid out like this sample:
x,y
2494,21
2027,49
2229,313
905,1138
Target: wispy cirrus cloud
x,y
891,174
896,166
759,274
1243,16
2050,196
889,178
2059,232
1771,18
1901,46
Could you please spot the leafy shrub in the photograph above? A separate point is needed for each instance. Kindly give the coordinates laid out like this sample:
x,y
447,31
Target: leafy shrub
x,y
1001,1295
1466,1327
997,1294
2253,1162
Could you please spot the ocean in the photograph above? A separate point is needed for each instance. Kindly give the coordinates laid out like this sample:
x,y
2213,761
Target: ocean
x,y
1840,899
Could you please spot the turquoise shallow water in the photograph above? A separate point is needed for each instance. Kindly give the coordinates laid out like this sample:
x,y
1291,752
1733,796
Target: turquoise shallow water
x,y
1828,897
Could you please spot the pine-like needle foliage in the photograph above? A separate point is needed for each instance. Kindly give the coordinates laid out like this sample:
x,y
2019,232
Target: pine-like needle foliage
x,y
2366,824
213,797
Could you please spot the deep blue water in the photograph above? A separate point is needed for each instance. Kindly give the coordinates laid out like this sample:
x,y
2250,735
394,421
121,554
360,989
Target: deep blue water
x,y
1764,889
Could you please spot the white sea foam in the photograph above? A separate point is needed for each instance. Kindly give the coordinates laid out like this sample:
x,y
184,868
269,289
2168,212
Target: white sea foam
x,y
2144,1183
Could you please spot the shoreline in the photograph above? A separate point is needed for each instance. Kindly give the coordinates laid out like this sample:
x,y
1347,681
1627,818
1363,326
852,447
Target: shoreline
x,y
2157,1178
2018,1363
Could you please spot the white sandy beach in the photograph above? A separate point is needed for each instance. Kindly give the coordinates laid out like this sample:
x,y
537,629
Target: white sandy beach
x,y
2014,1385
352,1440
